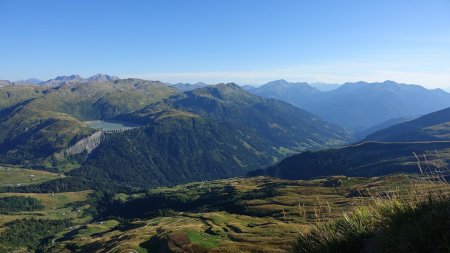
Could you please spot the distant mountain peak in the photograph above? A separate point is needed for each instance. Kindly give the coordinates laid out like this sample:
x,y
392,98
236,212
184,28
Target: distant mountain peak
x,y
102,78
228,85
279,82
63,80
223,91
390,82
188,86
67,78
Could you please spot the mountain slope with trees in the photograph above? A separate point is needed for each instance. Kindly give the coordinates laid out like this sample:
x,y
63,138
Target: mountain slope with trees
x,y
213,132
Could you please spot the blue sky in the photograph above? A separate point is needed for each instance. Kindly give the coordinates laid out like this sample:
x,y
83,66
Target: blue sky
x,y
244,41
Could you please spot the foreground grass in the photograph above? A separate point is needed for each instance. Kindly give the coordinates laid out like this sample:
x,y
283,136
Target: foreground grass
x,y
268,214
419,223
263,215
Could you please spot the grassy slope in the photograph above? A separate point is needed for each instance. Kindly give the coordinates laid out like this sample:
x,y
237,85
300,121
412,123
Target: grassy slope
x,y
55,206
30,136
102,100
433,126
416,222
266,224
11,95
364,159
12,176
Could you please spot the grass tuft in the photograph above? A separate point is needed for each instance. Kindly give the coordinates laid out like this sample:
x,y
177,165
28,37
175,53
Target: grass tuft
x,y
415,221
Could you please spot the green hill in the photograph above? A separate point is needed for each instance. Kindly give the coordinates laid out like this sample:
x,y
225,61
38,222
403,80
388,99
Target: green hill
x,y
364,159
287,126
38,122
102,100
214,132
11,95
29,136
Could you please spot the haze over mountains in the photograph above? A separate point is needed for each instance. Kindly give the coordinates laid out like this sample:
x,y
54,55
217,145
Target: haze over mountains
x,y
431,127
390,150
359,106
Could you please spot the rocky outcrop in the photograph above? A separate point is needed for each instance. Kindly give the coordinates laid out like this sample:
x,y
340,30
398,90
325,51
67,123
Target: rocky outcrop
x,y
87,144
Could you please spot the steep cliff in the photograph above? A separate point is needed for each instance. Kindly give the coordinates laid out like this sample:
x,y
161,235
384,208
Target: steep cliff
x,y
86,144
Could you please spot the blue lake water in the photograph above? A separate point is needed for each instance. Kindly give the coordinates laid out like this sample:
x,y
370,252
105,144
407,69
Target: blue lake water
x,y
110,125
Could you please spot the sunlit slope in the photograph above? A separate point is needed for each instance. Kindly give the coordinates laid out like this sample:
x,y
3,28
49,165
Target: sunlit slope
x,y
208,133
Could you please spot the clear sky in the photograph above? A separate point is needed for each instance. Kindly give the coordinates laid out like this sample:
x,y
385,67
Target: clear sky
x,y
245,41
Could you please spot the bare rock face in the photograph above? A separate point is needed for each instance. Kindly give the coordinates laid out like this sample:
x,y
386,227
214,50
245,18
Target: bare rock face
x,y
87,144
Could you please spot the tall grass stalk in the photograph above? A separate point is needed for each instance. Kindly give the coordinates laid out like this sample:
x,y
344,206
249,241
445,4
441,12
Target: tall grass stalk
x,y
412,220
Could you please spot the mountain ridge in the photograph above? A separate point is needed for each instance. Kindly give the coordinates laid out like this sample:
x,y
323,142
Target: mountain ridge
x,y
376,102
433,127
207,133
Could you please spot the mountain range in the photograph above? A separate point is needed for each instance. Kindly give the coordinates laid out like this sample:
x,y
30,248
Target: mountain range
x,y
188,86
358,106
189,132
379,105
96,151
206,133
431,127
60,80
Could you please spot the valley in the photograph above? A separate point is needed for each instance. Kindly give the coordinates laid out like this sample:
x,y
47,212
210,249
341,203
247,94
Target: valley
x,y
104,164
